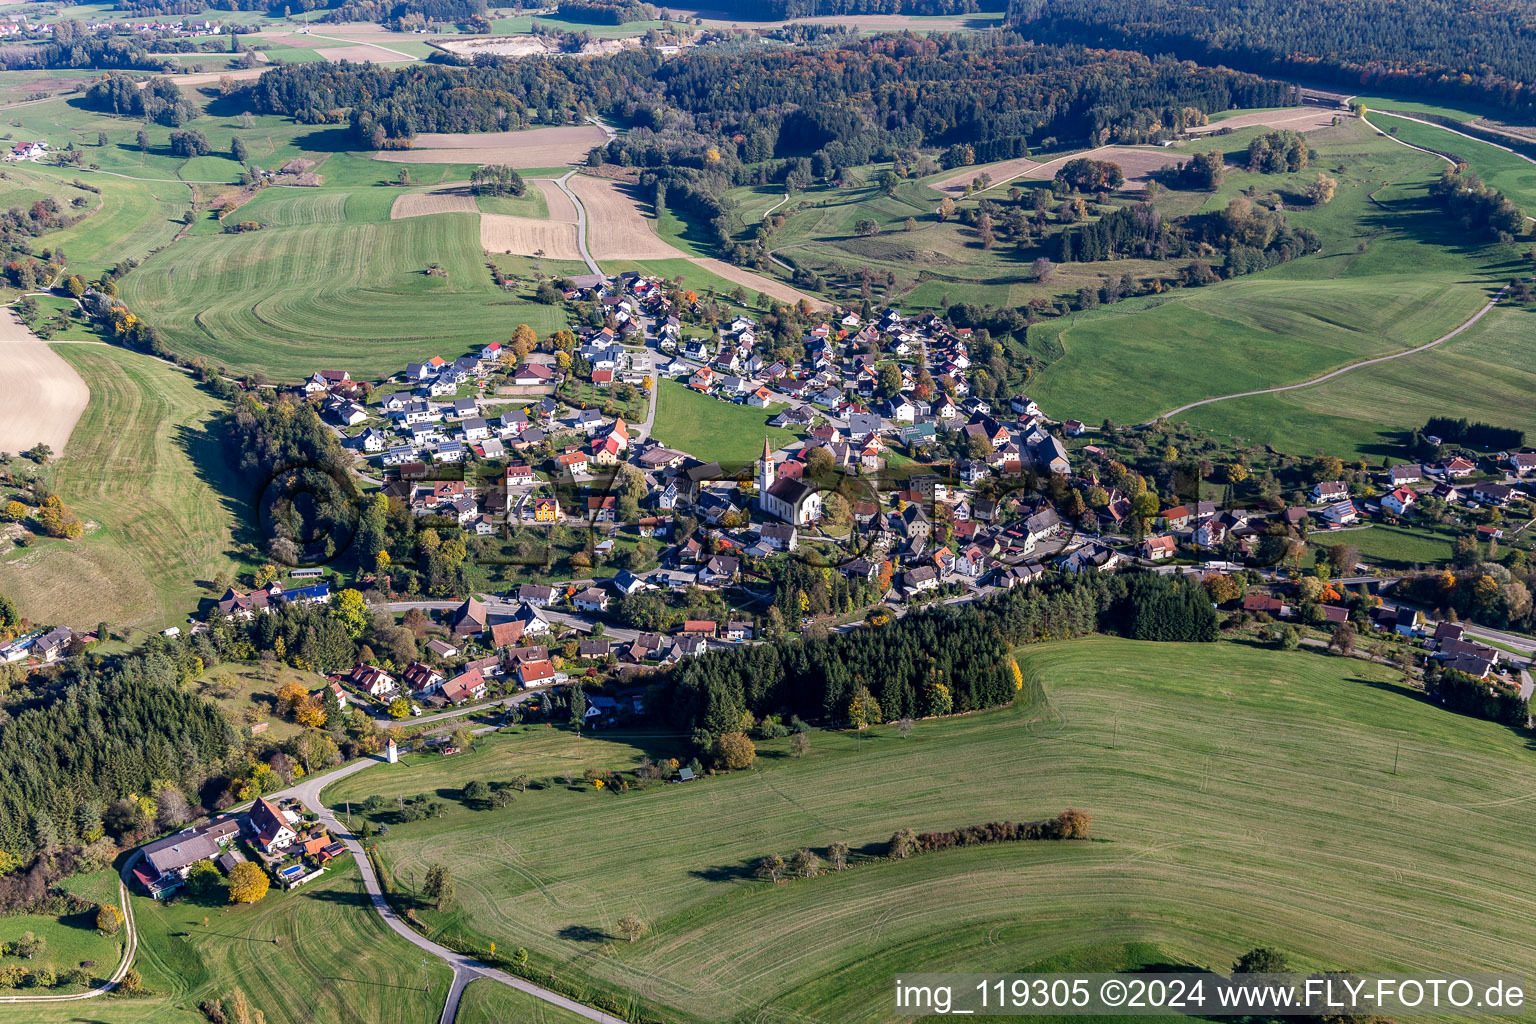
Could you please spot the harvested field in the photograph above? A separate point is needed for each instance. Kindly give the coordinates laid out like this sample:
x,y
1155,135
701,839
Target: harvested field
x,y
360,52
617,227
1138,164
1297,119
954,185
758,282
537,147
524,236
561,209
41,396
421,204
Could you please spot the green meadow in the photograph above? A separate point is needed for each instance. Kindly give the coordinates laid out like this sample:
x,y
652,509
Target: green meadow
x,y
332,283
164,512
1240,796
317,953
713,430
1391,276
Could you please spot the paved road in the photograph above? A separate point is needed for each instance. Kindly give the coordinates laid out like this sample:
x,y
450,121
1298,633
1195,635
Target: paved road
x,y
465,968
1527,687
581,222
1345,369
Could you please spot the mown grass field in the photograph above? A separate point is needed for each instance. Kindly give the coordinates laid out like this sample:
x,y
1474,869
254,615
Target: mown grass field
x,y
537,750
71,939
1240,796
1510,173
130,219
1391,275
710,429
1484,374
1395,548
320,953
332,284
163,509
490,1002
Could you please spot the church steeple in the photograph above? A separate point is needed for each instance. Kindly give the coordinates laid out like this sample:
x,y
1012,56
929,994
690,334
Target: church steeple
x,y
765,473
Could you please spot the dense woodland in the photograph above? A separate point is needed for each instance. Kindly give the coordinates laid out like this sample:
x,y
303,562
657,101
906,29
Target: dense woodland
x,y
1475,52
776,10
966,650
159,100
72,46
301,489
99,738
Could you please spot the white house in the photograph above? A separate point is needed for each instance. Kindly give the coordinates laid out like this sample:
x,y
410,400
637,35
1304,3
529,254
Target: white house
x,y
1400,500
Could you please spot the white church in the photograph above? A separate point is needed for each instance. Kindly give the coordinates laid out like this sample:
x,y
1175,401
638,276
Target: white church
x,y
791,500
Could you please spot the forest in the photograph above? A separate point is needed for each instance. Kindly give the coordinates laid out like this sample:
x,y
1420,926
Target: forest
x,y
73,46
106,734
778,10
159,100
1481,53
306,500
965,648
848,101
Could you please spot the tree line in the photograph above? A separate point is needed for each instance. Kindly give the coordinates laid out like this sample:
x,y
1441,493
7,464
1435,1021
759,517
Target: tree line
x,y
934,661
1453,430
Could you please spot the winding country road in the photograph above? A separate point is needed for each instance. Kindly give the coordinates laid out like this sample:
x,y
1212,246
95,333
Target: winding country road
x,y
465,968
1343,369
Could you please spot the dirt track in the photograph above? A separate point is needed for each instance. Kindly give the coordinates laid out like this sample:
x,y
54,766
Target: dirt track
x,y
757,282
525,236
538,147
41,396
617,229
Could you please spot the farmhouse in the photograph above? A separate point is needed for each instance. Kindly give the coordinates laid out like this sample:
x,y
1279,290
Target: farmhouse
x,y
271,827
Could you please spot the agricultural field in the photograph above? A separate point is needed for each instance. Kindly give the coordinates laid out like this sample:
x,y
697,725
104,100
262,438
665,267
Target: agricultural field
x,y
41,396
532,148
341,285
710,429
619,222
1214,806
534,749
1391,275
318,953
164,513
1485,373
490,1002
1510,173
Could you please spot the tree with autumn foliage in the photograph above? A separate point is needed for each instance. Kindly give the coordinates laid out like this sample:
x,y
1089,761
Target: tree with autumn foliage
x,y
863,709
735,751
248,883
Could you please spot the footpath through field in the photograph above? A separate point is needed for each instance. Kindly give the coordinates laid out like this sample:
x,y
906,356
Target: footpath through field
x,y
1343,369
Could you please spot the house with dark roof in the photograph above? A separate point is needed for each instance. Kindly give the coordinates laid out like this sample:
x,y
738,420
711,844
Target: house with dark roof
x,y
469,618
270,826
